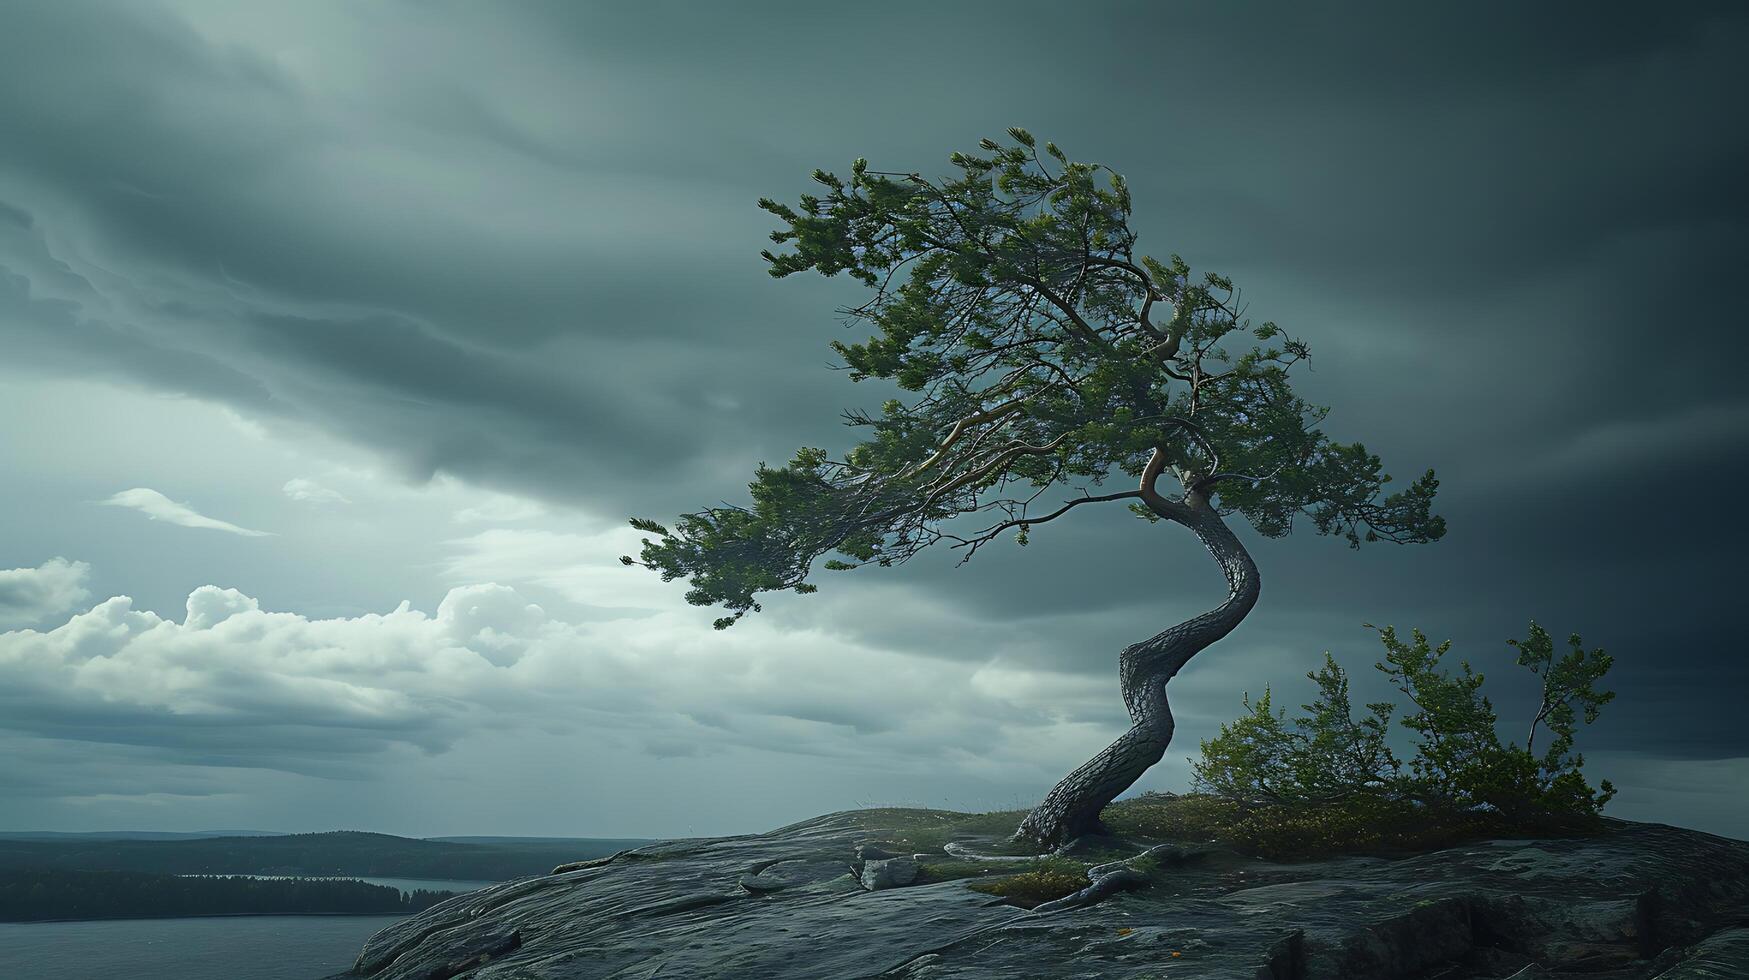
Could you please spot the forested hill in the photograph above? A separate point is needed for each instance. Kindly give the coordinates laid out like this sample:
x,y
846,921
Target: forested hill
x,y
34,896
333,853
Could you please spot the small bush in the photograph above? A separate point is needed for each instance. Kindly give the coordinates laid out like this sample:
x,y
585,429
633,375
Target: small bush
x,y
1326,782
1326,755
1460,760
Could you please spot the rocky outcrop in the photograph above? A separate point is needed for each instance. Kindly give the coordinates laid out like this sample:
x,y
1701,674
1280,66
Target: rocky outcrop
x,y
1641,901
895,872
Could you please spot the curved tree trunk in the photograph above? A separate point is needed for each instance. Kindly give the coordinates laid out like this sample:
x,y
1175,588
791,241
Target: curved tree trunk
x,y
1072,807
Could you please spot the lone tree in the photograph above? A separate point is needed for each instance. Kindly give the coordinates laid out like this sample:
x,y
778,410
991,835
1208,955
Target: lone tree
x,y
1037,350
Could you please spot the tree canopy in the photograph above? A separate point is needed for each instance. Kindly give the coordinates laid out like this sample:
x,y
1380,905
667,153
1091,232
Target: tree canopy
x,y
1035,349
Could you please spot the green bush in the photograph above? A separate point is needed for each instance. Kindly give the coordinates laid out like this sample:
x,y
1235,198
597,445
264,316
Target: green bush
x,y
1326,755
1327,773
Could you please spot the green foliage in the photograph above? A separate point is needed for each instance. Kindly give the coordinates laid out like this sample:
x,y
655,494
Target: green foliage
x,y
1252,759
1460,760
1567,683
1457,745
1340,754
1327,754
1326,772
1036,350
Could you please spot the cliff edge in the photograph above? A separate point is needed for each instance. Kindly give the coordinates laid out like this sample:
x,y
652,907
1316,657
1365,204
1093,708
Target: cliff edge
x,y
830,898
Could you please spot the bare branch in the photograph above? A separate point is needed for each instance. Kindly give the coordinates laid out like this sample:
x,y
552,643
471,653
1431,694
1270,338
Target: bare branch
x,y
1207,483
991,532
959,429
1008,455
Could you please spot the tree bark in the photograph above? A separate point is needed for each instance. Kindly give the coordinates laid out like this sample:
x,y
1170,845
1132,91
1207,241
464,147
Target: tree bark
x,y
1073,806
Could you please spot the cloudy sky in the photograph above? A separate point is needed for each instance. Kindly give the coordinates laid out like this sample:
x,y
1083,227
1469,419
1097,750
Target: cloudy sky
x,y
337,342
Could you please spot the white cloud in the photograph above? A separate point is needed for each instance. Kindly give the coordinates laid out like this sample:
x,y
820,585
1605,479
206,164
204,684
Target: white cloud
x,y
233,685
500,508
308,491
249,427
491,620
29,594
583,567
161,508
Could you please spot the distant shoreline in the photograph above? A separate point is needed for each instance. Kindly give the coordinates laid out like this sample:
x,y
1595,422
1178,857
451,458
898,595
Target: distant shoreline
x,y
211,915
43,895
334,854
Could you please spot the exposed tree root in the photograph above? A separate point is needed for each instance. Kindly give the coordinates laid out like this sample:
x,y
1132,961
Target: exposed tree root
x,y
958,850
1105,881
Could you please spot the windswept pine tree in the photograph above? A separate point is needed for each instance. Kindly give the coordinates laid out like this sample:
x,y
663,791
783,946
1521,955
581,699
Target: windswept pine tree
x,y
1038,352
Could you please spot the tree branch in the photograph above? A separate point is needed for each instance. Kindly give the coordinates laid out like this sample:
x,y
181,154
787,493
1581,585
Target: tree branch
x,y
959,429
1171,510
990,533
1088,333
1207,483
1197,435
1008,455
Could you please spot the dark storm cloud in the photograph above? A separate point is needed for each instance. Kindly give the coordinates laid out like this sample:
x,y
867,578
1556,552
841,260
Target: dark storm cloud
x,y
200,172
58,335
527,256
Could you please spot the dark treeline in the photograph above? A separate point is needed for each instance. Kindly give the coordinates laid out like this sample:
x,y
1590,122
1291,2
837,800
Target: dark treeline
x,y
29,896
336,853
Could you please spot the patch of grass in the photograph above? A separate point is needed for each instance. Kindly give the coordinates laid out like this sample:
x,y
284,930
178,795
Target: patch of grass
x,y
1160,816
1363,824
931,872
1042,881
1147,864
928,830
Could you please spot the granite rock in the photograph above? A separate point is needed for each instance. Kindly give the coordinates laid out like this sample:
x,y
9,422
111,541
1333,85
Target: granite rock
x,y
1639,902
896,872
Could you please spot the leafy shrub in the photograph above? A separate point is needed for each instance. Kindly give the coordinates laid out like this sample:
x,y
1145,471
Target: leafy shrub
x,y
1327,775
1326,755
1567,683
1460,760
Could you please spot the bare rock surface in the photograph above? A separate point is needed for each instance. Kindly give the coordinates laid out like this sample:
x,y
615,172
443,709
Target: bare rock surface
x,y
1641,901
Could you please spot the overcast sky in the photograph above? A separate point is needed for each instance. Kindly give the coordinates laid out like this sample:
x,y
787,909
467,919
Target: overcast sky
x,y
337,342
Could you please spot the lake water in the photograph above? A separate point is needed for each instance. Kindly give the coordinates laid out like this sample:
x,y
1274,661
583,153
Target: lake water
x,y
235,947
230,947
